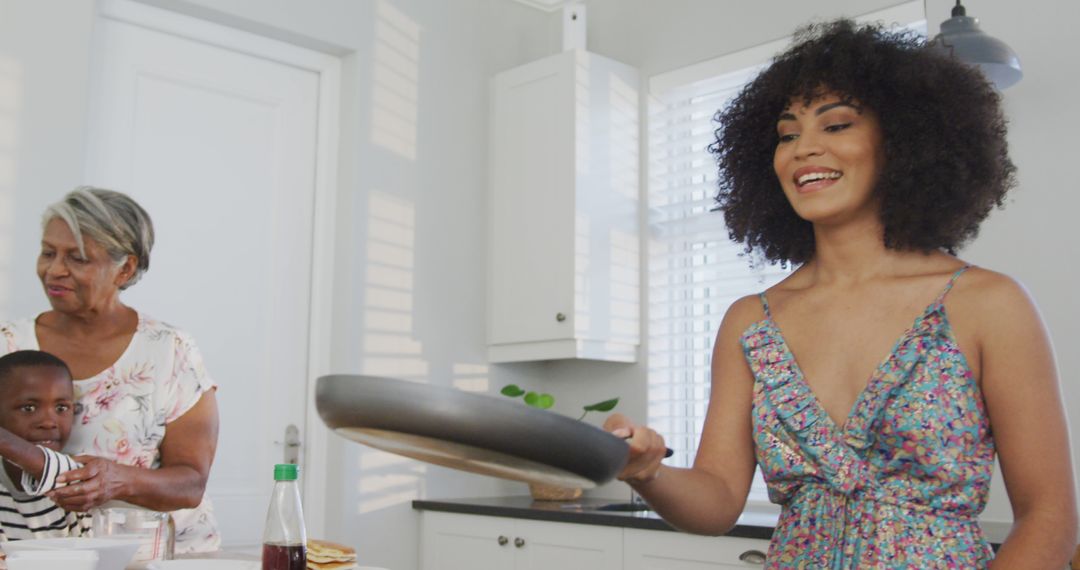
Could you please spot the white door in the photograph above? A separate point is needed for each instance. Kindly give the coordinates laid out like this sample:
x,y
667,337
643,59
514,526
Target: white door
x,y
220,148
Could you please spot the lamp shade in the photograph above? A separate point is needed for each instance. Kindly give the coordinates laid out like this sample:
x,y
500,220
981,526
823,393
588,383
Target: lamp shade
x,y
961,38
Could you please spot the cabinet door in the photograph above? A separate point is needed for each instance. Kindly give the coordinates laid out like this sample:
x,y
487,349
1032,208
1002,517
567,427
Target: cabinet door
x,y
654,550
563,546
465,542
531,269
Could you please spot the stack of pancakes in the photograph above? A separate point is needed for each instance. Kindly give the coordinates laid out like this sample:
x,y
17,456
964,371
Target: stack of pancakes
x,y
326,555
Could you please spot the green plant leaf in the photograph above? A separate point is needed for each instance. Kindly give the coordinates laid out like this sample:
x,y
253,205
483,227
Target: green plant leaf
x,y
605,406
512,390
537,400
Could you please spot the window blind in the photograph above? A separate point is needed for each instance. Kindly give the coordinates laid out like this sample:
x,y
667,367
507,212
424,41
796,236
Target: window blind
x,y
695,272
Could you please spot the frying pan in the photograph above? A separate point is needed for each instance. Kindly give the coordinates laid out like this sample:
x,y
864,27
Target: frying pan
x,y
467,431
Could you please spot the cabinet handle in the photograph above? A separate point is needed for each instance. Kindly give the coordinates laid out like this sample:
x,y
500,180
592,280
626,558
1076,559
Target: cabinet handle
x,y
753,557
519,542
503,540
560,317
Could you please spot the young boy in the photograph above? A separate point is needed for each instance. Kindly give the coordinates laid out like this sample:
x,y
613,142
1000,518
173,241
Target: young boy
x,y
37,402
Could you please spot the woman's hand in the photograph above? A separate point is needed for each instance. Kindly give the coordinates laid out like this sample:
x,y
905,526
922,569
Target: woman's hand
x,y
647,449
96,482
187,451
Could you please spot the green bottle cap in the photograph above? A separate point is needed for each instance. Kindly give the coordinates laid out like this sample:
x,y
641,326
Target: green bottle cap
x,y
286,472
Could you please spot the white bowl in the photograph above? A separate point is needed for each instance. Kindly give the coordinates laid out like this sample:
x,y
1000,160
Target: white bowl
x,y
113,553
53,560
209,564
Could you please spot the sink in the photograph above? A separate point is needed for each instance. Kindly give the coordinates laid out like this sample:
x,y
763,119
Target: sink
x,y
622,507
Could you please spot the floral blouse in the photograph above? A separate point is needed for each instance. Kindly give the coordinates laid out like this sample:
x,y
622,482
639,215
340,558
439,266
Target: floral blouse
x,y
901,483
123,412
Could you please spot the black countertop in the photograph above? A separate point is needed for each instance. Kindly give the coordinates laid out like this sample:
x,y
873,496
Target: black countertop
x,y
584,511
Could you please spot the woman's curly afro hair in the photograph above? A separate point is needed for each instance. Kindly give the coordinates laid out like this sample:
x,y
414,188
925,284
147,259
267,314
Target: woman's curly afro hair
x,y
946,158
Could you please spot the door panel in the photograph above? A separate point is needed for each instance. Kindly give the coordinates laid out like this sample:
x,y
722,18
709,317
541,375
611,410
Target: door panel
x,y
568,546
219,147
465,542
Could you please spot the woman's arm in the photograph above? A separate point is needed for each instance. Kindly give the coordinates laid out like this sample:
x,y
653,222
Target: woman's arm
x,y
709,497
187,451
1020,387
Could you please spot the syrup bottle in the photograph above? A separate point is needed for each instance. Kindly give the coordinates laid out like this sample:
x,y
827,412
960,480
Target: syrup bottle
x,y
284,539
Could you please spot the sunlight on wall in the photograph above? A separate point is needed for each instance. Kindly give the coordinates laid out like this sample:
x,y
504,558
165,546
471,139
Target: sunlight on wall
x,y
471,377
582,118
582,283
624,294
606,250
583,292
622,140
390,348
11,81
395,77
622,170
386,480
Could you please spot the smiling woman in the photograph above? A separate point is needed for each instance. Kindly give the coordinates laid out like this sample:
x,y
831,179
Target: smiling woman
x,y
145,424
829,143
867,160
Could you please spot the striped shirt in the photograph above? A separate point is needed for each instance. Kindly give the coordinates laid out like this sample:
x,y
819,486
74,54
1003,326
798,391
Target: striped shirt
x,y
29,514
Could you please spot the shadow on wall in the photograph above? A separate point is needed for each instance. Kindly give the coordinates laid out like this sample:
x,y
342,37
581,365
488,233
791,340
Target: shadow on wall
x,y
11,81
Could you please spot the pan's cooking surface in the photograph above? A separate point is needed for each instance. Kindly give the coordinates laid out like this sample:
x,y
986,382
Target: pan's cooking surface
x,y
465,457
472,432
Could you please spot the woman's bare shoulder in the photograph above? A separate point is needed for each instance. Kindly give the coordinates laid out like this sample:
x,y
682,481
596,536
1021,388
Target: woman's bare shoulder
x,y
744,312
989,300
981,288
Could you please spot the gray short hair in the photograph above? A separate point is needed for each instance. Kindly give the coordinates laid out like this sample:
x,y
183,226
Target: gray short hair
x,y
111,219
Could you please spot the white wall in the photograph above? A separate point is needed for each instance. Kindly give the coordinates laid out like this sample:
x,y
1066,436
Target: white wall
x,y
413,179
409,298
44,69
1033,238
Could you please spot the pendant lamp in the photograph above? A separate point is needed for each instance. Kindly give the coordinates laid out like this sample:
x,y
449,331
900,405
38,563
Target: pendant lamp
x,y
961,38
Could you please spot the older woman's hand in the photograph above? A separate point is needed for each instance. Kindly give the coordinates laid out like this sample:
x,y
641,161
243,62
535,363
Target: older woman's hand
x,y
95,483
647,449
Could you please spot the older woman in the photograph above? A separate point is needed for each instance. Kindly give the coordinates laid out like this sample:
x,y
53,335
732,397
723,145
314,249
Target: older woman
x,y
146,421
866,160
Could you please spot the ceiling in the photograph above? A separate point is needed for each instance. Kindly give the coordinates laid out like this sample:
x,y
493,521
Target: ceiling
x,y
547,5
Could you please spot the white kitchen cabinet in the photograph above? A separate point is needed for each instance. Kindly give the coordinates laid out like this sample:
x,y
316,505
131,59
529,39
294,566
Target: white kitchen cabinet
x,y
653,550
458,542
472,542
564,270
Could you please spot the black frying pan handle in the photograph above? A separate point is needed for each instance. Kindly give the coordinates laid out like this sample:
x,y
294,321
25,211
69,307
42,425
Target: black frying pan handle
x,y
667,453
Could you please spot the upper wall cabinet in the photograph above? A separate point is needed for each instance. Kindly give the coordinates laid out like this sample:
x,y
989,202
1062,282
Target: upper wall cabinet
x,y
563,270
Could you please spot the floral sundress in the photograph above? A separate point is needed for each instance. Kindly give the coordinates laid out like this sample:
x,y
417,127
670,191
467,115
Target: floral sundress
x,y
900,484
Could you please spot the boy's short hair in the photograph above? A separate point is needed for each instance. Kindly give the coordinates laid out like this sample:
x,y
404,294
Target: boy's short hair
x,y
23,358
